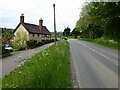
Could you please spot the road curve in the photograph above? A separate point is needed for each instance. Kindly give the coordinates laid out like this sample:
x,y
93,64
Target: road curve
x,y
93,66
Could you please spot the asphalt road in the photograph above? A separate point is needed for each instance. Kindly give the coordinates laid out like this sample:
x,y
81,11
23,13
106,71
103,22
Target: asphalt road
x,y
93,66
8,64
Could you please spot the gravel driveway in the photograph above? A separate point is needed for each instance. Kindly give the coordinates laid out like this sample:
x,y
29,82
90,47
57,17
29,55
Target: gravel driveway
x,y
8,64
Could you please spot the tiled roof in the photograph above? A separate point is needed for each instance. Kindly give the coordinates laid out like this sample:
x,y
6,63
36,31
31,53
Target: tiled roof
x,y
32,28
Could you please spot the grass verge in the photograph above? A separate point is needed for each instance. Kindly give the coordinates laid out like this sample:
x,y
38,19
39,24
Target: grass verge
x,y
47,69
115,46
0,84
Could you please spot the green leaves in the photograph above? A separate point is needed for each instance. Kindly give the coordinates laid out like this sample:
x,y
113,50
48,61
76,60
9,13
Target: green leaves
x,y
103,17
66,31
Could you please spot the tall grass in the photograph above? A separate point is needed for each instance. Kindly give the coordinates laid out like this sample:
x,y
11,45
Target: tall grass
x,y
48,69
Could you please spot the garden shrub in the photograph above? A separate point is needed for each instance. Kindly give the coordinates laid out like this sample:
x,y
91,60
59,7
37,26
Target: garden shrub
x,y
5,52
31,44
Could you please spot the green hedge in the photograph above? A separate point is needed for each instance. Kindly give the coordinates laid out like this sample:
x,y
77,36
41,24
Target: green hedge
x,y
33,43
5,52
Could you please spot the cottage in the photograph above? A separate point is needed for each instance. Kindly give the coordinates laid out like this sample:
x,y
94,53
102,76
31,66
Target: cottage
x,y
31,31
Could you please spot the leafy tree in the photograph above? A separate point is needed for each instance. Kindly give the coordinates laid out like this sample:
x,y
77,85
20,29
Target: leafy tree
x,y
75,32
99,19
20,39
6,33
66,32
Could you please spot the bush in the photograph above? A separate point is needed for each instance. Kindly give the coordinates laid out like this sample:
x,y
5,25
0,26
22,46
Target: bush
x,y
51,40
64,38
5,52
78,37
39,44
31,44
47,41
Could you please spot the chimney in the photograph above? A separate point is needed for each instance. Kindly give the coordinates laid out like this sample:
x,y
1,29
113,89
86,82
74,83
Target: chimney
x,y
22,18
40,23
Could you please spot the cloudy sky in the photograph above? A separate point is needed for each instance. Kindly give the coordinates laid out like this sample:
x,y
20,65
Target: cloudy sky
x,y
67,12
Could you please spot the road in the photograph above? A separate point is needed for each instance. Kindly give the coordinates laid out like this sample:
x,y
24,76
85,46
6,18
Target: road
x,y
8,64
93,66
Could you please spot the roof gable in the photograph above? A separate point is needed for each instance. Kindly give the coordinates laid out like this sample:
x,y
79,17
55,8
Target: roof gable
x,y
16,27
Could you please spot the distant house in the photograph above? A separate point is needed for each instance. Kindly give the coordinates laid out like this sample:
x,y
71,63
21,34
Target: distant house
x,y
31,31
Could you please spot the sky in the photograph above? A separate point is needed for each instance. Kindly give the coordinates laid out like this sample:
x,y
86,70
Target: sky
x,y
67,13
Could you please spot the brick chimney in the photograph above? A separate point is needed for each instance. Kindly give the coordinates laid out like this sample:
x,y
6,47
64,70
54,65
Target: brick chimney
x,y
40,23
22,18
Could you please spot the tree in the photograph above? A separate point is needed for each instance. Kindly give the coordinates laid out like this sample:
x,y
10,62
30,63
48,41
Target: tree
x,y
66,32
20,40
6,35
75,32
100,19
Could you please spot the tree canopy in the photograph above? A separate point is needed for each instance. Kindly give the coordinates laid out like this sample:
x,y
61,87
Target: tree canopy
x,y
75,32
99,19
66,32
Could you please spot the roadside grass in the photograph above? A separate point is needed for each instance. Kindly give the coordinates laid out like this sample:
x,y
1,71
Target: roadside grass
x,y
106,43
0,84
47,69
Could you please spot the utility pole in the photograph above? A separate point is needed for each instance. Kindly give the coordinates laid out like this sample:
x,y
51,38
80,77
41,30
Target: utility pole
x,y
54,23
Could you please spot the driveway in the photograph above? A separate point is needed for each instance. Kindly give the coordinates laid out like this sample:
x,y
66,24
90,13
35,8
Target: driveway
x,y
8,64
93,66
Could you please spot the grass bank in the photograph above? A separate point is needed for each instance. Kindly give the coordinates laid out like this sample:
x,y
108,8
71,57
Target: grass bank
x,y
102,42
48,69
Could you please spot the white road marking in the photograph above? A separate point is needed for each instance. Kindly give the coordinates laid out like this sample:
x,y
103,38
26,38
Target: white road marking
x,y
99,53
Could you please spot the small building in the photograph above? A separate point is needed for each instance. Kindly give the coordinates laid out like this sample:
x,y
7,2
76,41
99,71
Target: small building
x,y
31,31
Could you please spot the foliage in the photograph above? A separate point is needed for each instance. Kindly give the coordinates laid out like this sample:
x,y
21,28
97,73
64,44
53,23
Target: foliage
x,y
31,44
0,84
99,19
59,34
6,33
66,32
19,41
65,38
5,52
104,42
52,40
75,32
48,69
